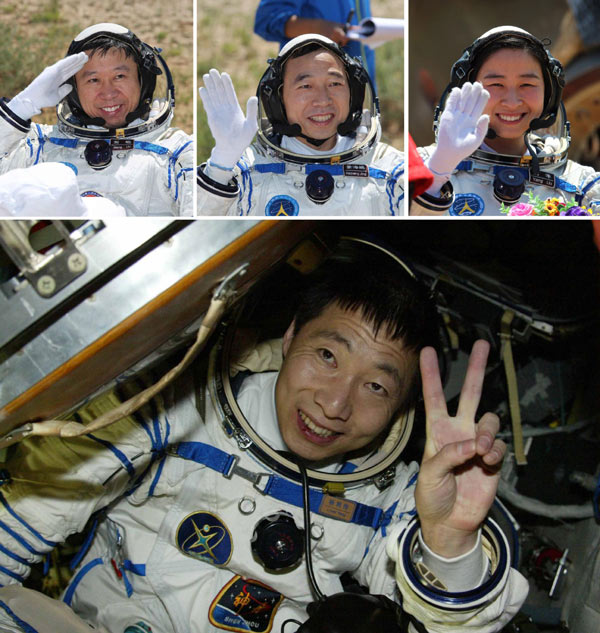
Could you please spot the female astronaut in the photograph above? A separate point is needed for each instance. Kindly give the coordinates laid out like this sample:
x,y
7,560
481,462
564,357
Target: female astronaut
x,y
502,136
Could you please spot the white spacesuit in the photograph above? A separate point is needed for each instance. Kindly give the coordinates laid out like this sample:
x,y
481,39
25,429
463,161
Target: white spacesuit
x,y
279,175
163,557
471,177
145,167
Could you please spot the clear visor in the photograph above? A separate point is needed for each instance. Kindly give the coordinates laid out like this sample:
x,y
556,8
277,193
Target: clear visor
x,y
366,135
161,110
551,143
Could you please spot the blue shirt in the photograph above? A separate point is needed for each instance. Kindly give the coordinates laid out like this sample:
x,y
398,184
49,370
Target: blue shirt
x,y
272,15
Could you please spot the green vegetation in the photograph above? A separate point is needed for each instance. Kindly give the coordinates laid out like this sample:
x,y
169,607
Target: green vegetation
x,y
20,65
49,14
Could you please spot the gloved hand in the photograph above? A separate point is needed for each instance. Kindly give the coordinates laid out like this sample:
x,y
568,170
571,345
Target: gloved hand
x,y
232,131
462,129
48,88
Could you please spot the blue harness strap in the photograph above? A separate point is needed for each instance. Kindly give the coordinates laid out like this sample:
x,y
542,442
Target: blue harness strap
x,y
276,487
71,143
70,592
334,170
41,141
27,628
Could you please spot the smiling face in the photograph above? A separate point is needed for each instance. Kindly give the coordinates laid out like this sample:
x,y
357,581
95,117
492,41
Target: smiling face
x,y
340,384
316,95
514,79
108,86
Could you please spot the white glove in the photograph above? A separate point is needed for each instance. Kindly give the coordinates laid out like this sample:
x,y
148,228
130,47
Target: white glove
x,y
461,131
48,88
45,190
232,131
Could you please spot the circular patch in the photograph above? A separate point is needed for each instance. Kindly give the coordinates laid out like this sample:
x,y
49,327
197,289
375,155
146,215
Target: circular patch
x,y
467,204
91,194
203,535
282,206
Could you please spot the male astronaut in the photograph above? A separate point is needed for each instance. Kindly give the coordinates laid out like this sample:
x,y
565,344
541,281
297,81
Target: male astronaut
x,y
203,509
502,136
114,108
317,151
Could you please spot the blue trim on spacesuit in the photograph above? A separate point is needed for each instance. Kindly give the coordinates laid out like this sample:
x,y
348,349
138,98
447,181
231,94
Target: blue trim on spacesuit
x,y
24,523
157,476
20,539
71,143
30,145
85,547
118,453
390,186
246,184
68,597
276,487
14,556
12,574
138,570
454,601
588,187
41,141
172,160
27,628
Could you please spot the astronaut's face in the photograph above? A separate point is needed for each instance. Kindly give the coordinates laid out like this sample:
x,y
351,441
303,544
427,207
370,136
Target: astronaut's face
x,y
316,95
340,384
108,86
514,79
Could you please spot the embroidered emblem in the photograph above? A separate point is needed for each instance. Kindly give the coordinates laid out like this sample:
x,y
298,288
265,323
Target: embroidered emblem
x,y
282,206
244,605
203,535
467,204
91,194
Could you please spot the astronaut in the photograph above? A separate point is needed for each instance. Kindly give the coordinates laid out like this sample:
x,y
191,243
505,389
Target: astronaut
x,y
200,521
502,137
115,98
317,151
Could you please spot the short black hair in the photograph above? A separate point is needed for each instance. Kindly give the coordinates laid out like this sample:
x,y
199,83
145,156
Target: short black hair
x,y
358,276
105,43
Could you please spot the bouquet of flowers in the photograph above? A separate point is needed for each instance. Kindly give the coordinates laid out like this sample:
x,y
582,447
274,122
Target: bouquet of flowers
x,y
549,206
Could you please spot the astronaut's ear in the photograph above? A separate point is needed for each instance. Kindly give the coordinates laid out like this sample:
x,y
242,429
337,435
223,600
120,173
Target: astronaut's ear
x,y
288,336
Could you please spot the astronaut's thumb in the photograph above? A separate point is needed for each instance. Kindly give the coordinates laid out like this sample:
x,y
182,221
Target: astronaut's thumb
x,y
64,90
482,126
252,108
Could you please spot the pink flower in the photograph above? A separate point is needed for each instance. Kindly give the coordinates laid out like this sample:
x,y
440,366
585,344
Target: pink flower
x,y
521,208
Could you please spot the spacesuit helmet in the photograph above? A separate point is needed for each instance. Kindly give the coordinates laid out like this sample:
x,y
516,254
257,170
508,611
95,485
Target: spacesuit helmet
x,y
156,100
549,132
362,122
396,304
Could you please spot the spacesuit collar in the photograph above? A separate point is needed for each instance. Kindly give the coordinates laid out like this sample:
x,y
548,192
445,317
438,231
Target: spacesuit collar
x,y
552,154
292,144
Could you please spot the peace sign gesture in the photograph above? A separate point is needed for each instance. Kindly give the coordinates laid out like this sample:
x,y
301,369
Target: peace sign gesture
x,y
461,462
